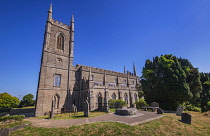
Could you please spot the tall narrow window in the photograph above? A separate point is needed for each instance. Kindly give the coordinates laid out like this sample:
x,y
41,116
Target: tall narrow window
x,y
114,96
93,77
60,42
116,80
57,80
126,98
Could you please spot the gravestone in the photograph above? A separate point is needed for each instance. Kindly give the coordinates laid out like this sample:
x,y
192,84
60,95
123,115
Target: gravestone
x,y
86,109
74,109
159,111
179,110
126,111
134,105
52,110
186,118
154,104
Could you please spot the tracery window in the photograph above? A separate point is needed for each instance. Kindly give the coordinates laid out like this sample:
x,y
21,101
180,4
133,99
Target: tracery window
x,y
60,42
114,96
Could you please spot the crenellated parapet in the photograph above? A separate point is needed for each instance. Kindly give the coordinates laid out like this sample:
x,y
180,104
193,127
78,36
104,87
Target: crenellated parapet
x,y
60,24
102,71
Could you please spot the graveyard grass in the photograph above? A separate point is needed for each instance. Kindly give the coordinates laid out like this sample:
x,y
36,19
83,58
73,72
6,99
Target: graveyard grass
x,y
168,125
75,116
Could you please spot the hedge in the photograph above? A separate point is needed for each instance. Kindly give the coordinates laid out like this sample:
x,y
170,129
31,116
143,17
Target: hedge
x,y
14,117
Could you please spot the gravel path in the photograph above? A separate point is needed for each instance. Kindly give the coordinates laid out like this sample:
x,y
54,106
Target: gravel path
x,y
141,117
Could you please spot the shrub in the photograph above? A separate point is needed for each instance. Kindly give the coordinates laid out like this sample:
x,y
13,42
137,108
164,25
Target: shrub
x,y
116,103
14,117
190,107
141,102
208,106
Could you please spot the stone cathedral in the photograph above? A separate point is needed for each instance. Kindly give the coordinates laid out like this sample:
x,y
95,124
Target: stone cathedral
x,y
61,84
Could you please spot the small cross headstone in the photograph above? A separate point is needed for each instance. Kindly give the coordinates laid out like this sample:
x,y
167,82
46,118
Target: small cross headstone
x,y
179,110
186,118
159,111
86,109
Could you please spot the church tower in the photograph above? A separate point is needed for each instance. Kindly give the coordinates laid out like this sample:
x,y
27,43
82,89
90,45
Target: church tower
x,y
54,85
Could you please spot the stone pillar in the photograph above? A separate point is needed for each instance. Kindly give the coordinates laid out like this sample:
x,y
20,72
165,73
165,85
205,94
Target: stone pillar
x,y
86,109
52,109
106,105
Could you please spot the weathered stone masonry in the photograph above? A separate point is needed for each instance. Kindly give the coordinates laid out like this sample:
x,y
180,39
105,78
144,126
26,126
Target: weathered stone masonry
x,y
63,84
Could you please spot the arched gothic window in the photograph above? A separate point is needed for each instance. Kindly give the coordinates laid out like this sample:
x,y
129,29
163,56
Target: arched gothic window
x,y
56,99
126,98
135,97
60,42
114,96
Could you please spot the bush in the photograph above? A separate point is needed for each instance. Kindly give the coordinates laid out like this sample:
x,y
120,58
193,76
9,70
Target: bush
x,y
141,102
190,107
116,103
14,117
208,106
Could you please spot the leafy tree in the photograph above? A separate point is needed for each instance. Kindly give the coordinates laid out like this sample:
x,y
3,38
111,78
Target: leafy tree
x,y
8,101
141,102
205,94
170,81
27,101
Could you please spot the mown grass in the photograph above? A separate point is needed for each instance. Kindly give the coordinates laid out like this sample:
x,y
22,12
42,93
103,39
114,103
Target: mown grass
x,y
13,124
74,116
170,125
25,107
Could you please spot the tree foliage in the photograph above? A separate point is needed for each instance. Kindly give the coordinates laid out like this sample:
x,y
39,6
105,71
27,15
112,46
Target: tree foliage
x,y
8,101
27,101
141,102
205,94
170,81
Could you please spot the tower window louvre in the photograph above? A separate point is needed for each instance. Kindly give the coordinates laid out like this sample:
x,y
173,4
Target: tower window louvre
x,y
60,42
57,80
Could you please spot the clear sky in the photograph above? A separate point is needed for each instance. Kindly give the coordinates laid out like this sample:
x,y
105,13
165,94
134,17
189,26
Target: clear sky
x,y
108,34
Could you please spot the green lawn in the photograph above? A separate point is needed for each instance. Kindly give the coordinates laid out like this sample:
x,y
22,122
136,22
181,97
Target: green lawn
x,y
75,116
169,125
14,124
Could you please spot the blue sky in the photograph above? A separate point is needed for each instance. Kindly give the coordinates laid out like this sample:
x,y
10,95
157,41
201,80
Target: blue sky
x,y
108,34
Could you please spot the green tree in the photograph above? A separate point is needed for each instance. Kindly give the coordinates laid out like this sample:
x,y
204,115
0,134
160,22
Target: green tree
x,y
8,101
170,81
205,94
27,101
